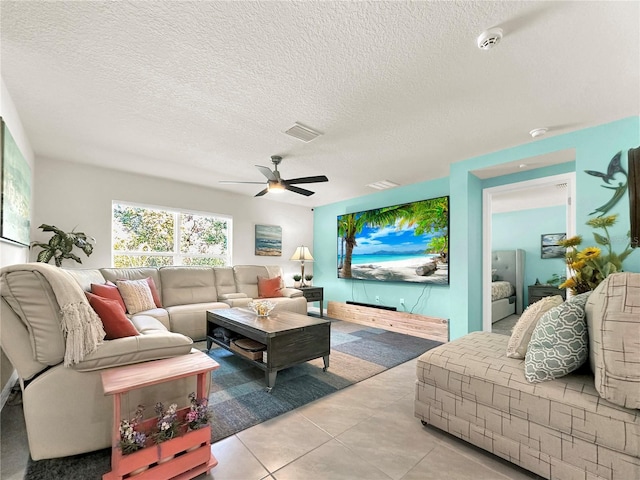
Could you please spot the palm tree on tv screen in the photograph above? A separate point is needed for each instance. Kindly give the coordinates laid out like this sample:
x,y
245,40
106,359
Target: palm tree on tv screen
x,y
428,216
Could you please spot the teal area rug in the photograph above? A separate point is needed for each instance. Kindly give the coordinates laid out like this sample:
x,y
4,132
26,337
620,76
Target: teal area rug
x,y
238,398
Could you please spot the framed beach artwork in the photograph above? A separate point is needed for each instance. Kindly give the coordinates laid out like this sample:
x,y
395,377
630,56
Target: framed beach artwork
x,y
15,207
268,240
550,247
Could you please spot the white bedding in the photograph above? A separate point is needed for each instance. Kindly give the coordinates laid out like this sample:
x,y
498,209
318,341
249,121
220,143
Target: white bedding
x,y
500,290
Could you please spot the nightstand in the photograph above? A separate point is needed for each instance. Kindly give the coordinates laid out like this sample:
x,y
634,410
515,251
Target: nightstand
x,y
314,294
538,292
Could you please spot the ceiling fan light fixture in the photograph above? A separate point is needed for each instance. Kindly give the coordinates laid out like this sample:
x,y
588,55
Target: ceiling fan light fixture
x,y
275,187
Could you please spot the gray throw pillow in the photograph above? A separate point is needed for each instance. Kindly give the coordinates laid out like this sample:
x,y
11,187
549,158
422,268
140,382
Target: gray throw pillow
x,y
559,343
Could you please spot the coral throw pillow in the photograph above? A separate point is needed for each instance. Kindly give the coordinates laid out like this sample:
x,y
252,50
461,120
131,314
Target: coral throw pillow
x,y
154,292
269,287
115,322
136,295
108,290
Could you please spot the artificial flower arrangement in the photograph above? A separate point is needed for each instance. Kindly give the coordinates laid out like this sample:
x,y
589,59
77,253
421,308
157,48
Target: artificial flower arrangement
x,y
198,414
132,440
590,266
167,425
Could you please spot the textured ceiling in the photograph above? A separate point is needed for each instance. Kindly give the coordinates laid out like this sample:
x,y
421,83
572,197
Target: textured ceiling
x,y
202,91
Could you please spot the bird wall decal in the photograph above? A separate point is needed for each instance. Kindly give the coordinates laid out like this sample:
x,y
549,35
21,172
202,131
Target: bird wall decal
x,y
614,168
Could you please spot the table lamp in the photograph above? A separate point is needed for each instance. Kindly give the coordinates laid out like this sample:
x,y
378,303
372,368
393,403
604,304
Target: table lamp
x,y
301,254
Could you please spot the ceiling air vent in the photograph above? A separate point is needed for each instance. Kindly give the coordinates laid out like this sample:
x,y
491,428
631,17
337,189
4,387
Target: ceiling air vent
x,y
383,184
303,133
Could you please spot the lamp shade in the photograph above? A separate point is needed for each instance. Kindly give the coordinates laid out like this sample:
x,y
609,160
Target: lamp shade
x,y
303,254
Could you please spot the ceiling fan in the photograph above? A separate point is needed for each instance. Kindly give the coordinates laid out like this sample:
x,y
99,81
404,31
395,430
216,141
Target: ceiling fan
x,y
276,184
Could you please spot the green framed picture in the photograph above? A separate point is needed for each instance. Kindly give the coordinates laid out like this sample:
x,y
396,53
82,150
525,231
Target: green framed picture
x,y
15,213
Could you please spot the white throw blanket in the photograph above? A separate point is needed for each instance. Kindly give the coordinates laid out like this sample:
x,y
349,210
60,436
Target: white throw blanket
x,y
80,324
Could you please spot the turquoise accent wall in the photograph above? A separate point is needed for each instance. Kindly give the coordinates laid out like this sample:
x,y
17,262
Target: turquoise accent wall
x,y
430,300
461,302
522,229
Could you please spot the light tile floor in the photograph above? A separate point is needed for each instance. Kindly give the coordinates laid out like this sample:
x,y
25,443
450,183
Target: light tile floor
x,y
366,431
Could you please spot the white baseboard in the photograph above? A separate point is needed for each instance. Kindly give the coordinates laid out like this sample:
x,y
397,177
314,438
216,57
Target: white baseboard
x,y
6,390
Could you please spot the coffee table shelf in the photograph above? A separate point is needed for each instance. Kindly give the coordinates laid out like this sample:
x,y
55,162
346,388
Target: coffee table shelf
x,y
191,451
290,338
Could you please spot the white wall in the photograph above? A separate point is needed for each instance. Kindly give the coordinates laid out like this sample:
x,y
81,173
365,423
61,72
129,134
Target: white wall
x,y
11,253
69,195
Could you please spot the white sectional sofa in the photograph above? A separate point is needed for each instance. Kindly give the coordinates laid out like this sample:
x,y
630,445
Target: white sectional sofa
x,y
188,292
66,412
582,426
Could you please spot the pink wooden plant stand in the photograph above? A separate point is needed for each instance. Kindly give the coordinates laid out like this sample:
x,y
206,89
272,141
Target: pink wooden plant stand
x,y
191,451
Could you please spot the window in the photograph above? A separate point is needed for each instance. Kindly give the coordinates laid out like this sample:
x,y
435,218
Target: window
x,y
150,236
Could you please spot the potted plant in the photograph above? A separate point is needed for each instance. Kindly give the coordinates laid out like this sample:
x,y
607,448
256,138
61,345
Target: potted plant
x,y
296,280
308,277
61,244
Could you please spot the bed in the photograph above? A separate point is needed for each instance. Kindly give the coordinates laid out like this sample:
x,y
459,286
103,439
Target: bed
x,y
507,286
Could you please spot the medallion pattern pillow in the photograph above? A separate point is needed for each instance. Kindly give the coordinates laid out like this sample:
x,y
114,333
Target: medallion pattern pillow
x,y
559,343
521,334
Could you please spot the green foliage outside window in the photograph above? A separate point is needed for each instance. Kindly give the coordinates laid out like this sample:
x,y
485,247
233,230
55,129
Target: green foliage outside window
x,y
147,237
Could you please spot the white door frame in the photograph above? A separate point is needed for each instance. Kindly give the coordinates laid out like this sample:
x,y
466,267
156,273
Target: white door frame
x,y
487,210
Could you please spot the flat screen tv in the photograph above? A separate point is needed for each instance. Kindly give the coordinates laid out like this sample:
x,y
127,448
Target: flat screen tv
x,y
399,243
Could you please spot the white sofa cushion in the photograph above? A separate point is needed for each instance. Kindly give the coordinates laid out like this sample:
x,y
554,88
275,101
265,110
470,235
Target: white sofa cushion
x,y
30,296
191,320
187,285
129,350
246,278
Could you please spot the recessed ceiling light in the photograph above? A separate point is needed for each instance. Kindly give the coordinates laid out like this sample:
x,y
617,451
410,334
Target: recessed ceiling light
x,y
538,132
489,38
383,184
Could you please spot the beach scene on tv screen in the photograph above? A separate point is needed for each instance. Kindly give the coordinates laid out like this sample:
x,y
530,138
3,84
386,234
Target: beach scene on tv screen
x,y
400,243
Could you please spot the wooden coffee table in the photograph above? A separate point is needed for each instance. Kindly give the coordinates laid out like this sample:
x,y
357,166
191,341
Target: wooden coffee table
x,y
290,338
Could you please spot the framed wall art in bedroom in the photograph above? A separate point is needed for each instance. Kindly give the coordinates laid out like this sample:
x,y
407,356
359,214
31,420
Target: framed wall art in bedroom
x,y
550,247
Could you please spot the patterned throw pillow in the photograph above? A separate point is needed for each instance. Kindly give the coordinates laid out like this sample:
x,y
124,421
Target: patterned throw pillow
x,y
559,343
521,334
136,295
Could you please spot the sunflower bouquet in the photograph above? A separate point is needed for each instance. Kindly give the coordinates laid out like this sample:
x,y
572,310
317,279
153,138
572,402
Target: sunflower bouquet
x,y
591,265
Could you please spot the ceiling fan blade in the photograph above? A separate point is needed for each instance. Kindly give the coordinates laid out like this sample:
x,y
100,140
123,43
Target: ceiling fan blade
x,y
266,171
261,192
301,191
316,179
231,182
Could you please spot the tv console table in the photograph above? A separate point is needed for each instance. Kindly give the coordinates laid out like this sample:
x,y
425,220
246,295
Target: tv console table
x,y
190,453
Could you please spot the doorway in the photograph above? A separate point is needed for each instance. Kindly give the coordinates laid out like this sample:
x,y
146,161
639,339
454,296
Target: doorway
x,y
525,193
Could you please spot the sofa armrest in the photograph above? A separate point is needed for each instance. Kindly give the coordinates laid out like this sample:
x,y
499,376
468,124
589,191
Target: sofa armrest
x,y
141,348
238,302
291,292
231,296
